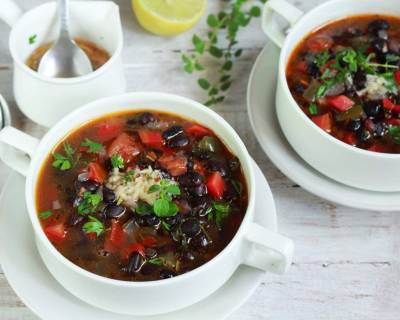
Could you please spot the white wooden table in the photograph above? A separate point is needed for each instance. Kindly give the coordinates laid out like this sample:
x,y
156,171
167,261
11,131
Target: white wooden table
x,y
347,262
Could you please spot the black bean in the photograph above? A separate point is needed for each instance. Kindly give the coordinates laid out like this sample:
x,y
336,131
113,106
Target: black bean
x,y
313,70
378,24
364,135
379,45
146,117
382,34
77,201
359,79
113,211
108,195
152,220
234,164
298,88
355,125
89,185
381,129
172,132
198,191
166,274
75,219
201,241
201,205
108,165
189,256
190,164
179,141
373,108
190,227
135,263
190,179
213,165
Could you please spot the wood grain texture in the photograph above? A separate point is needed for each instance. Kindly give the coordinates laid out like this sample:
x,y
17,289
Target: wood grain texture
x,y
346,262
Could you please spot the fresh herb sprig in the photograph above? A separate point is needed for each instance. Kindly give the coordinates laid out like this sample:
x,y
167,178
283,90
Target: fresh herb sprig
x,y
163,206
117,161
229,21
65,161
89,203
94,225
93,146
219,211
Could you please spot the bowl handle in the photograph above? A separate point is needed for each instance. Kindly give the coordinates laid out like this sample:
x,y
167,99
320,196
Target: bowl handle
x,y
16,149
269,251
271,26
9,12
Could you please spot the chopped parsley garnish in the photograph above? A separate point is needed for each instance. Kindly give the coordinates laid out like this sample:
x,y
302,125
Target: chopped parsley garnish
x,y
32,39
65,161
313,109
163,206
90,203
45,214
219,210
156,261
93,146
394,131
144,208
117,161
94,225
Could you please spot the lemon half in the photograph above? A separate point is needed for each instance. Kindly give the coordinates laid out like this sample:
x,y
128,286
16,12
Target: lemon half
x,y
168,17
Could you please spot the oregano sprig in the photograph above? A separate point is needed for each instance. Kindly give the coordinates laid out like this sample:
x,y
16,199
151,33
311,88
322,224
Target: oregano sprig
x,y
230,21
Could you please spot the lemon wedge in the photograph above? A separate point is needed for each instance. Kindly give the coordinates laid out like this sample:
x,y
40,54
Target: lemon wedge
x,y
168,17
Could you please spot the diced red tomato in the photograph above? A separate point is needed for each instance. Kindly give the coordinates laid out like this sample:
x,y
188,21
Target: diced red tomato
x,y
397,77
323,121
91,235
151,138
115,238
55,232
198,131
175,164
96,172
340,103
377,148
135,247
388,105
216,185
394,122
149,241
319,43
107,131
126,146
350,138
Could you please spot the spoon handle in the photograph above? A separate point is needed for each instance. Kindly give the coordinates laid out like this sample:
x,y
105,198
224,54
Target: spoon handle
x,y
63,12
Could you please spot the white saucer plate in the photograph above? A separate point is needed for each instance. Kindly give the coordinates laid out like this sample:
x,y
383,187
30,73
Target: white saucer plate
x,y
261,110
35,286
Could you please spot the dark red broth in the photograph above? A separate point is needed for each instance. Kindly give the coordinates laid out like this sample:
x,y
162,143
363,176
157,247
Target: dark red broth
x,y
345,76
141,196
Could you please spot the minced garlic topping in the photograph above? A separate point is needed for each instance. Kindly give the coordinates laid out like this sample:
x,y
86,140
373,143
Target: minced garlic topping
x,y
130,188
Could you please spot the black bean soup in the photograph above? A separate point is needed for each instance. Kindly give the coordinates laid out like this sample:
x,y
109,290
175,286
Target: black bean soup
x,y
141,196
345,76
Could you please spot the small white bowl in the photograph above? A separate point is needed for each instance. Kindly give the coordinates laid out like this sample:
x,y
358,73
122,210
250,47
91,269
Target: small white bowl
x,y
252,245
46,100
344,163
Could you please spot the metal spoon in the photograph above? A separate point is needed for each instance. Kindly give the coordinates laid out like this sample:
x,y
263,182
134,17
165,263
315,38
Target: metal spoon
x,y
65,59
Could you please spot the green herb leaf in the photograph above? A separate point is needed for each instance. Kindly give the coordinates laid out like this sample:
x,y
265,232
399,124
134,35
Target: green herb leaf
x,y
394,131
89,203
313,109
156,261
199,44
117,161
32,39
45,214
65,162
255,11
203,83
154,188
215,51
144,209
212,21
129,175
173,189
93,146
94,225
161,207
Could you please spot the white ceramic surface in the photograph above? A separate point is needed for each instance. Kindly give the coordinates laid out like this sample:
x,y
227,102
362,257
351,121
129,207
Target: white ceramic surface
x,y
347,164
261,110
252,245
47,100
30,279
